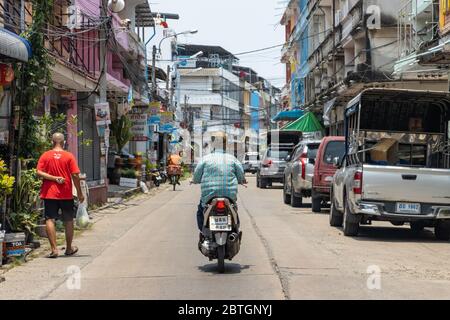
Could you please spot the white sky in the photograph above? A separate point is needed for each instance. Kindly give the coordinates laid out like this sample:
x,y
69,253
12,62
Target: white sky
x,y
235,25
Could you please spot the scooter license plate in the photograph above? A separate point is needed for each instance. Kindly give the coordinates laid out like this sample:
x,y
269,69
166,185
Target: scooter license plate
x,y
220,223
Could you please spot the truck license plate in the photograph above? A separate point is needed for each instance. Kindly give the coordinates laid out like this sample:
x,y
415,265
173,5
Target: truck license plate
x,y
220,223
408,208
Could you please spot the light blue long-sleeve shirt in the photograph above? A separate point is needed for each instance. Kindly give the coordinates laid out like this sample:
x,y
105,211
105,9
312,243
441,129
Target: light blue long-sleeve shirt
x,y
219,174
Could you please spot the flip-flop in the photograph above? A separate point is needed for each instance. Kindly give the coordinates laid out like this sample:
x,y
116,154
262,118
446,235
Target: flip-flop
x,y
74,250
52,255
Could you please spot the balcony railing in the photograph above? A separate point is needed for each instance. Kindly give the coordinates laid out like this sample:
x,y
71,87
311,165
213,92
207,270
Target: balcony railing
x,y
78,48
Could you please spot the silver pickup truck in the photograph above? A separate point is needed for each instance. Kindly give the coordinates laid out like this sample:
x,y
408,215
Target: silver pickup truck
x,y
414,186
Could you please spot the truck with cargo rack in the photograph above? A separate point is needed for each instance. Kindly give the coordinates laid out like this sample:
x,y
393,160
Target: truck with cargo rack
x,y
396,165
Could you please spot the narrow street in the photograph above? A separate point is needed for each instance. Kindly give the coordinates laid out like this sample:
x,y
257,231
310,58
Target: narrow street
x,y
149,251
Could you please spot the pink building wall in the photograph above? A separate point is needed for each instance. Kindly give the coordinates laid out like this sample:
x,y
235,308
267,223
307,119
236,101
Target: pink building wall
x,y
90,52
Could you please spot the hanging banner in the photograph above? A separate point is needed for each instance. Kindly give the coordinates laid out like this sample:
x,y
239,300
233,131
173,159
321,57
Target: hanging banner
x,y
102,113
166,117
154,108
139,128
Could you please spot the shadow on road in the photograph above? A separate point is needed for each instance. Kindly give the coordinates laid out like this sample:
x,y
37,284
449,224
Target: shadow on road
x,y
230,268
395,234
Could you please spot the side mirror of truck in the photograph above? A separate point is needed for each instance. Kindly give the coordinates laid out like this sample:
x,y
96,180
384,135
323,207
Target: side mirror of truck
x,y
336,162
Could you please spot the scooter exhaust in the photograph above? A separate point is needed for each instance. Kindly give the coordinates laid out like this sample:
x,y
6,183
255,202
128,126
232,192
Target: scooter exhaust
x,y
233,237
233,245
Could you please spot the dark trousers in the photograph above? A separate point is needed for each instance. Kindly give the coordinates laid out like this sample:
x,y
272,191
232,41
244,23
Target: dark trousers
x,y
200,217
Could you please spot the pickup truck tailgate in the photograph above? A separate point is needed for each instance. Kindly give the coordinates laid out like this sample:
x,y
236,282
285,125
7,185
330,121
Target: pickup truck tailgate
x,y
406,184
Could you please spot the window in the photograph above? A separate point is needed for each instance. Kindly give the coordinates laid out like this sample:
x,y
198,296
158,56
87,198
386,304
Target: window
x,y
334,149
297,153
278,154
312,151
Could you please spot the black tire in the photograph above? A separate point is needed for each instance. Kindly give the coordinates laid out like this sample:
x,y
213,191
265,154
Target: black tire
x,y
336,217
258,182
173,180
442,230
286,197
296,202
263,183
221,259
316,204
157,184
351,222
417,226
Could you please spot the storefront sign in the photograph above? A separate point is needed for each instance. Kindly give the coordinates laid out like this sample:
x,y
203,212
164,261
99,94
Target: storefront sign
x,y
153,120
140,127
166,117
6,74
102,113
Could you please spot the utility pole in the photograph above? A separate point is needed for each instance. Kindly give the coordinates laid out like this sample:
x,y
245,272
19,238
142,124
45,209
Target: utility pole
x,y
154,72
103,48
102,81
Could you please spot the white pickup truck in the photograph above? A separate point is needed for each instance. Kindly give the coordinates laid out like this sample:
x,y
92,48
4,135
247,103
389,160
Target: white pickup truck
x,y
416,188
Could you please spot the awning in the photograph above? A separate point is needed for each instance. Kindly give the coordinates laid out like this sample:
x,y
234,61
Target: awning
x,y
290,115
13,46
307,123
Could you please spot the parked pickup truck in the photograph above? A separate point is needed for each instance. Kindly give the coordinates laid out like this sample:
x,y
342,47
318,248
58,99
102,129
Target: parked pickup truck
x,y
396,166
324,170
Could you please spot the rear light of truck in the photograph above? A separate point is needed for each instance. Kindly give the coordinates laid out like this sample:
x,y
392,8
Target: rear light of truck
x,y
303,158
267,163
357,182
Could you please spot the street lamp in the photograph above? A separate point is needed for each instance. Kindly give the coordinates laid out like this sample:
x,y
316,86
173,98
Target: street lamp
x,y
174,35
154,58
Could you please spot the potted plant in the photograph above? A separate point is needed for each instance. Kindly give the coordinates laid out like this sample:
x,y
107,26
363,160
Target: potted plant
x,y
129,178
24,206
121,129
138,157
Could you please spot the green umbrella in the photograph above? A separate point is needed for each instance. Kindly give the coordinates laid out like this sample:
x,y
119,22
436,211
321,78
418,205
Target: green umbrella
x,y
307,123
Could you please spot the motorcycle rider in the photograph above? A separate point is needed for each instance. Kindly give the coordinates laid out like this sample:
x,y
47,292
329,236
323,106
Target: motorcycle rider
x,y
176,160
219,174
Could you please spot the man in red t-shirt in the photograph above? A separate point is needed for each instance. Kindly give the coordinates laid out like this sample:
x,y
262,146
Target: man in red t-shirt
x,y
58,168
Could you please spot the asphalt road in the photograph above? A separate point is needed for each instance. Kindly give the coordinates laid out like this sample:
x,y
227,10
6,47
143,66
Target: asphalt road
x,y
149,251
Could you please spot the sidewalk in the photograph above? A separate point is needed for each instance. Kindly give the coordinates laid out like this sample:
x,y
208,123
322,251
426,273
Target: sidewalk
x,y
39,277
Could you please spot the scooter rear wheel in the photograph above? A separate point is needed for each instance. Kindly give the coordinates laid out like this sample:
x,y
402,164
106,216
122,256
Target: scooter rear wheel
x,y
221,259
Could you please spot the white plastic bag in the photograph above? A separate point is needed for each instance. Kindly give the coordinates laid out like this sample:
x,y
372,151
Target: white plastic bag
x,y
143,187
82,219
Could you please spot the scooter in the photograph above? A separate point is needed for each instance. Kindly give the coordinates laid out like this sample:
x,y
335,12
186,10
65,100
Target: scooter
x,y
156,177
221,236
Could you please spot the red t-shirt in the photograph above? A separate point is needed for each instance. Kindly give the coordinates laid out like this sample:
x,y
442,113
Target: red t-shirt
x,y
58,164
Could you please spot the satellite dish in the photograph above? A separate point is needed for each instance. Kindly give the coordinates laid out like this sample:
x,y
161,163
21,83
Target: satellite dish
x,y
116,5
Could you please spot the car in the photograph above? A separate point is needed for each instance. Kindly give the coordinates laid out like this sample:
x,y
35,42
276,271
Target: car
x,y
251,161
272,166
299,172
324,169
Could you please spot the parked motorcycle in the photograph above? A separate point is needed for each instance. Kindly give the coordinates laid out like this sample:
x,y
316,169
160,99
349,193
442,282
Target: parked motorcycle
x,y
163,174
156,177
221,232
